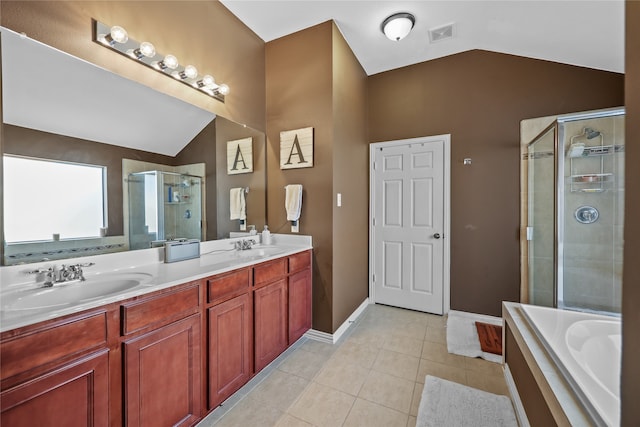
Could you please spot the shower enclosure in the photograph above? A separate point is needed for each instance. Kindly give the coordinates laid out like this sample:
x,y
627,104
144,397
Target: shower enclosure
x,y
163,206
574,212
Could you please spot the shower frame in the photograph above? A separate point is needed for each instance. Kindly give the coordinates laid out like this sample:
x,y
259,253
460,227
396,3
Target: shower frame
x,y
559,192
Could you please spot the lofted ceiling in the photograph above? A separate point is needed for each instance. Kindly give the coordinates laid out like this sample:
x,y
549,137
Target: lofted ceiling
x,y
577,32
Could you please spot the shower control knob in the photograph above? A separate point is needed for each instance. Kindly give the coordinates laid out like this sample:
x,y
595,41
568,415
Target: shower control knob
x,y
436,236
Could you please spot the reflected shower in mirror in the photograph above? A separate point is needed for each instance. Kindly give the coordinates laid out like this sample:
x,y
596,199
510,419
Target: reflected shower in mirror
x,y
81,114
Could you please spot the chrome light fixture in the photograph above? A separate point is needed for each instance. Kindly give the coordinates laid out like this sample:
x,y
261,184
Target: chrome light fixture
x,y
116,38
398,26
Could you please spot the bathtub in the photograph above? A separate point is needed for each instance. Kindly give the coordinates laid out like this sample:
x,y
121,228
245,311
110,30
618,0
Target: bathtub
x,y
587,348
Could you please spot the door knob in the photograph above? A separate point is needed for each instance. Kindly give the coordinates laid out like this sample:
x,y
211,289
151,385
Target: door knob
x,y
436,236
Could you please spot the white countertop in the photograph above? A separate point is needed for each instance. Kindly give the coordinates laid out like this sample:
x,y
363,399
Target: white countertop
x,y
216,257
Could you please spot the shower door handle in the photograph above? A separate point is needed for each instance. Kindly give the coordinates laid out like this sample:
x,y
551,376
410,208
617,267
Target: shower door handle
x,y
436,236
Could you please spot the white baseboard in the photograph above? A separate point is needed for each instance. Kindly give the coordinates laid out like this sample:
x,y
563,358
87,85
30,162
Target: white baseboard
x,y
333,338
521,415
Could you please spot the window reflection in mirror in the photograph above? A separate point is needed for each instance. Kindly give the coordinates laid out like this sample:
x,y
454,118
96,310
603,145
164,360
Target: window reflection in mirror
x,y
51,200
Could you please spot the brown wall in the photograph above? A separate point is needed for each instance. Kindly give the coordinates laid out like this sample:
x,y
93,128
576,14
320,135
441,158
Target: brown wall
x,y
480,98
256,198
630,387
351,179
203,33
299,95
313,79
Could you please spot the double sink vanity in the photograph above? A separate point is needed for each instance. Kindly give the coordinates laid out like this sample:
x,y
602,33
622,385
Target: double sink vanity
x,y
144,342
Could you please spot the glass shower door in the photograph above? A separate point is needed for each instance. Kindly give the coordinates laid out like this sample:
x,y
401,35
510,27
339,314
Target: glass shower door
x,y
541,218
592,224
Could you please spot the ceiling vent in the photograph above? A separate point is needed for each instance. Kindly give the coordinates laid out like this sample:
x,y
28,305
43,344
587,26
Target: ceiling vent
x,y
441,33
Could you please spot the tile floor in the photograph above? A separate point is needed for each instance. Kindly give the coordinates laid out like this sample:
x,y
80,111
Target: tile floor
x,y
373,377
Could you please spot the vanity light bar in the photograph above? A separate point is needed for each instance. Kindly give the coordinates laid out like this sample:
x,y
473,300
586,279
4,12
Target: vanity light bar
x,y
117,39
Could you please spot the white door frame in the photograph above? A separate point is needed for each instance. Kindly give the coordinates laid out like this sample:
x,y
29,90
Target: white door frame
x,y
446,274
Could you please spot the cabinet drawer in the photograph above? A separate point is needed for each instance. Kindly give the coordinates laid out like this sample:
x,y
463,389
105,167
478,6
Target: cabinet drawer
x,y
160,310
269,272
54,341
228,285
299,261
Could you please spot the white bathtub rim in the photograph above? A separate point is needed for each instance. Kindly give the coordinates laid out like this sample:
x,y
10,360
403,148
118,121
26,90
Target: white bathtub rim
x,y
602,413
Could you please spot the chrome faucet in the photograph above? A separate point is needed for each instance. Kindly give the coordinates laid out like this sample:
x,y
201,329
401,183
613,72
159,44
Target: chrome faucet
x,y
53,275
243,245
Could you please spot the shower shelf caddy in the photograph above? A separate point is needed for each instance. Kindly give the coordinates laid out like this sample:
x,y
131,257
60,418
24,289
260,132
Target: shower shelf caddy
x,y
592,182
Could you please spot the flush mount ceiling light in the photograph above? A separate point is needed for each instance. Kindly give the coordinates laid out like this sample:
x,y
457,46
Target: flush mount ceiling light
x,y
116,38
397,26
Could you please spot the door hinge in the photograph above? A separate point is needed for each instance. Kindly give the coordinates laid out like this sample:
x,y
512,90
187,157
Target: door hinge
x,y
373,222
373,278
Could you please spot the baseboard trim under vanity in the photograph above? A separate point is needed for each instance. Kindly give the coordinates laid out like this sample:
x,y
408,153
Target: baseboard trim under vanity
x,y
335,337
521,415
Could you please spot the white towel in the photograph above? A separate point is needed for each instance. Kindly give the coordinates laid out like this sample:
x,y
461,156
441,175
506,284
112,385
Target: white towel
x,y
293,201
237,204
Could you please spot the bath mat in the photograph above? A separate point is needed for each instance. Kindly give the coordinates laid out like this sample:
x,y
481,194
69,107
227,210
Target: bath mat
x,y
462,335
490,337
448,404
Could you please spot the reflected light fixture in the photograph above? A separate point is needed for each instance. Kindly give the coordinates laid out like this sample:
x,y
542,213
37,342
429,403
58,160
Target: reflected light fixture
x,y
398,26
116,38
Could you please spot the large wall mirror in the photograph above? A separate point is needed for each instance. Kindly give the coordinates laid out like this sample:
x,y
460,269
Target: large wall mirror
x,y
64,111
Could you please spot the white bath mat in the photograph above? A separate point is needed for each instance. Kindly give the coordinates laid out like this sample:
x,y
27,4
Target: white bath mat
x,y
462,335
448,404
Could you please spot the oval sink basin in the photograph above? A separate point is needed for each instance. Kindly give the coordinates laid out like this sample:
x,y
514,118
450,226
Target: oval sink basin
x,y
60,295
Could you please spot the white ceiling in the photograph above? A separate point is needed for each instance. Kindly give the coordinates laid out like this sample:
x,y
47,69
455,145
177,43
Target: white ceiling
x,y
576,32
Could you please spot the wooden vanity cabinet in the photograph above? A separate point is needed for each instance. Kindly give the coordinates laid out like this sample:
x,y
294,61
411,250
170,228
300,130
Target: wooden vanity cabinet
x,y
141,361
162,368
270,311
299,295
230,334
56,373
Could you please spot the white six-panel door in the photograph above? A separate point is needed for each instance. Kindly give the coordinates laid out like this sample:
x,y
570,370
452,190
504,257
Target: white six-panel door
x,y
409,250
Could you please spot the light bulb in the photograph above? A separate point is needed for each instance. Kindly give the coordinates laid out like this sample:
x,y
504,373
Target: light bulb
x,y
190,72
223,89
147,49
206,82
119,34
170,61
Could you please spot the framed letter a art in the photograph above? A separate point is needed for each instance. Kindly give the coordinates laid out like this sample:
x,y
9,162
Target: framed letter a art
x,y
296,148
240,156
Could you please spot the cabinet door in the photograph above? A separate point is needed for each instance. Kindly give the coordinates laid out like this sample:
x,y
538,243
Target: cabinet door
x,y
270,322
230,347
299,304
162,371
76,394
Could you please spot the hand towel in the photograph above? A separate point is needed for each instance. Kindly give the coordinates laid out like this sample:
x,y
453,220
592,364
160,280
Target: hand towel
x,y
293,201
237,204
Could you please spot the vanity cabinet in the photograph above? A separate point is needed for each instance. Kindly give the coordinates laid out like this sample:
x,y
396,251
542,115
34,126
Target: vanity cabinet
x,y
299,295
162,358
270,311
56,373
230,334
